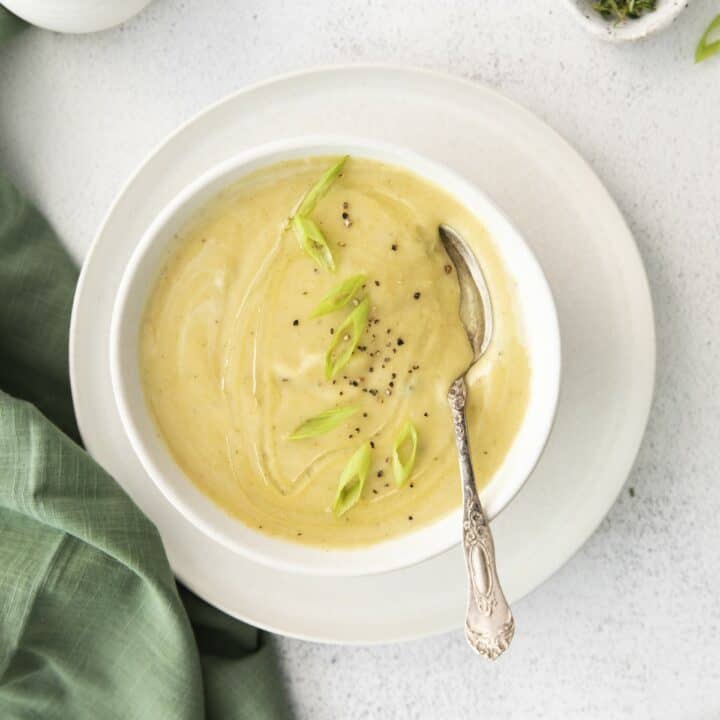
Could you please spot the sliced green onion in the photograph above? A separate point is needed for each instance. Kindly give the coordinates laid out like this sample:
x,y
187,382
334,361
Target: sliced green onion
x,y
347,336
318,191
352,480
705,49
339,296
403,467
313,242
323,422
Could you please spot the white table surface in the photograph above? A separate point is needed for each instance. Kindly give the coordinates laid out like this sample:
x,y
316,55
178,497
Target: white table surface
x,y
630,628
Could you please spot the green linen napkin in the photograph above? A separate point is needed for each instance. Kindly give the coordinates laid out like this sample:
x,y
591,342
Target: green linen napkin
x,y
92,624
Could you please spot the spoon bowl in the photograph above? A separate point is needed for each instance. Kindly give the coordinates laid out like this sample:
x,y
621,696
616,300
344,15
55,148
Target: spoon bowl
x,y
475,306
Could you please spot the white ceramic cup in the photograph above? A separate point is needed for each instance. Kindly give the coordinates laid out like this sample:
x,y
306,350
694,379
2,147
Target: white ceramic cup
x,y
541,336
75,16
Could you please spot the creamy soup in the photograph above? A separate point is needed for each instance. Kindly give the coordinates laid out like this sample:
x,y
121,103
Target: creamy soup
x,y
238,362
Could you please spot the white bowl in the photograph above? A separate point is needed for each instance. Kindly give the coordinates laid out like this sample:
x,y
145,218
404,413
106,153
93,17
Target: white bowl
x,y
541,336
663,15
75,16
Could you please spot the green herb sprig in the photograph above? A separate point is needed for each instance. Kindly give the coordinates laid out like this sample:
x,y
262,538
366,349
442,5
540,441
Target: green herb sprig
x,y
313,242
707,48
620,10
310,238
323,422
406,443
352,480
346,339
320,188
339,296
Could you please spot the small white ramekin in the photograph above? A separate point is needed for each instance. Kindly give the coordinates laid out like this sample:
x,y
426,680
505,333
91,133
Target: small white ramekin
x,y
652,22
75,16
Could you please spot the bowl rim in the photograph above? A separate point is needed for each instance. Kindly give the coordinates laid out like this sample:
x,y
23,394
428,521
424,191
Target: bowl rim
x,y
365,560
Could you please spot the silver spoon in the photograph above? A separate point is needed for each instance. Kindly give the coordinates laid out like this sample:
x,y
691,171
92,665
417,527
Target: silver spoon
x,y
489,624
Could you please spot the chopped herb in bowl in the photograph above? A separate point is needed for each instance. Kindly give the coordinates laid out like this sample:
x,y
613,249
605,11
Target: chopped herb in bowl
x,y
709,44
619,10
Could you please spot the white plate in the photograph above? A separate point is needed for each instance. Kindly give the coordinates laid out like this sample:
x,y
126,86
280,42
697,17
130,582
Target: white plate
x,y
590,260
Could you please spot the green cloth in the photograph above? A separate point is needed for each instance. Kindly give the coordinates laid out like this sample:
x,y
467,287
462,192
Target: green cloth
x,y
92,624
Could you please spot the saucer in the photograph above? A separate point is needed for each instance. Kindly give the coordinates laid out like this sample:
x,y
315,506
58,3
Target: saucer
x,y
601,293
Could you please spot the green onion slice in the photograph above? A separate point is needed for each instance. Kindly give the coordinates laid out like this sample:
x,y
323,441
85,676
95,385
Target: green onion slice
x,y
313,242
352,480
346,339
705,48
323,422
339,296
318,191
402,467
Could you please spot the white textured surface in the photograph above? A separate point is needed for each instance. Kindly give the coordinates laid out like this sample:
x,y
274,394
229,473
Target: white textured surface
x,y
630,628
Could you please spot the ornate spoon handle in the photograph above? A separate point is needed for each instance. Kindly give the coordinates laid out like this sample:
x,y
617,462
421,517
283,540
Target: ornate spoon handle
x,y
489,624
